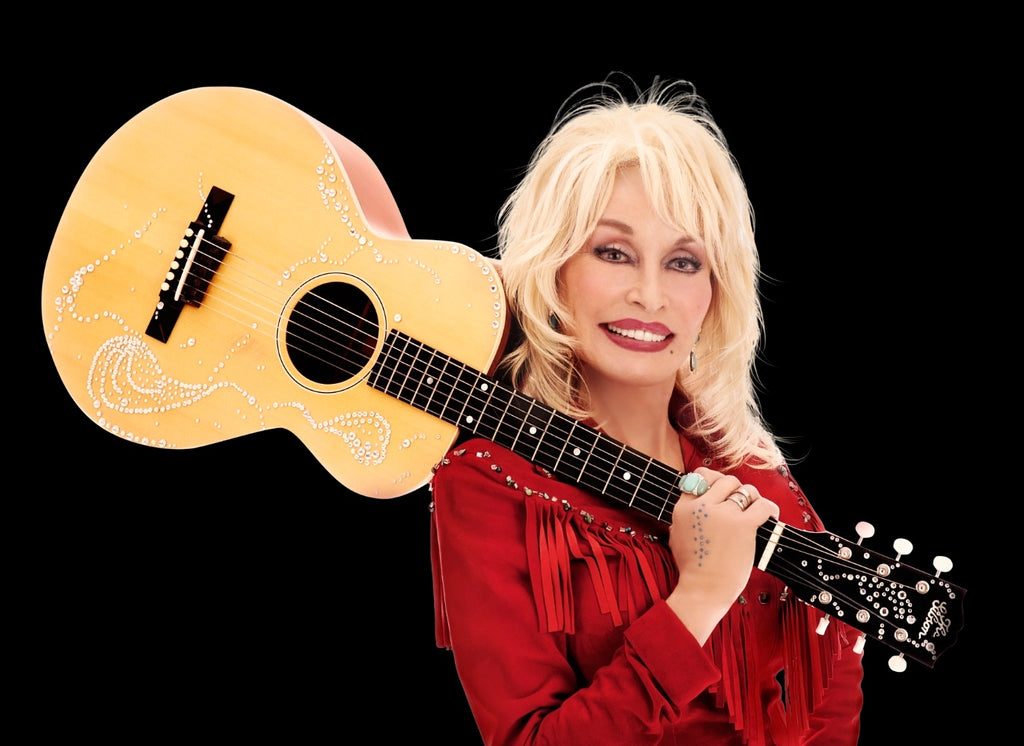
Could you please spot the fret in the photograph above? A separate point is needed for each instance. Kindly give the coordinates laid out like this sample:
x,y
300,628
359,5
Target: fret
x,y
614,476
492,417
576,452
385,365
556,466
531,429
542,434
426,383
639,480
611,471
436,374
397,388
674,480
457,418
477,402
445,415
625,475
596,469
549,451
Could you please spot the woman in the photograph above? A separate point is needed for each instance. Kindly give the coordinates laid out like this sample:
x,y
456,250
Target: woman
x,y
629,260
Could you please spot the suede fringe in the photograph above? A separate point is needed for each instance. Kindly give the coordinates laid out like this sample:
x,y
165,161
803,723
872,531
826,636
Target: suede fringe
x,y
555,535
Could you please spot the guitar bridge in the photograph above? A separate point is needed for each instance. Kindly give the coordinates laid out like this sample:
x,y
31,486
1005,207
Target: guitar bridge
x,y
196,260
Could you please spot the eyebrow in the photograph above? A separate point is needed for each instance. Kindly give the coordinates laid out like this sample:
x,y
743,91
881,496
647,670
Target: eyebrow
x,y
684,242
611,222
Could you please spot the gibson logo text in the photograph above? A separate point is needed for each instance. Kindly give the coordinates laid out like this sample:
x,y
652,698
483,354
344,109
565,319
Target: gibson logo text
x,y
936,616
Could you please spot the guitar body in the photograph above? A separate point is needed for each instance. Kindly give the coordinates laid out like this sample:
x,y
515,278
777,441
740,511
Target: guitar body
x,y
227,363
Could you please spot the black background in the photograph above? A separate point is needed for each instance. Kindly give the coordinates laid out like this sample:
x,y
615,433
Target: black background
x,y
239,590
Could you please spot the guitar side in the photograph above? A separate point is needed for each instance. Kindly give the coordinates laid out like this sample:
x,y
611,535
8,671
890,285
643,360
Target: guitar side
x,y
295,229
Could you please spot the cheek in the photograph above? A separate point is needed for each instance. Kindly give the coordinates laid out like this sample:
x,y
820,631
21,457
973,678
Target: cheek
x,y
696,303
587,292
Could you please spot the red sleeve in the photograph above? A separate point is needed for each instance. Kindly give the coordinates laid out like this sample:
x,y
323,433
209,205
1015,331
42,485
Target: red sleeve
x,y
519,681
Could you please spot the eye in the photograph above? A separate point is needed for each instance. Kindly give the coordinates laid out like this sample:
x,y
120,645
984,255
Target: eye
x,y
685,264
611,254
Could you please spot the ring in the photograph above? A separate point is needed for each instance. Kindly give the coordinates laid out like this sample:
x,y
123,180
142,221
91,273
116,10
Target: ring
x,y
694,484
741,497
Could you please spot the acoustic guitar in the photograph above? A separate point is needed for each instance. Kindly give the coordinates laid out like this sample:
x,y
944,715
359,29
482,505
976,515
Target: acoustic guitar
x,y
227,264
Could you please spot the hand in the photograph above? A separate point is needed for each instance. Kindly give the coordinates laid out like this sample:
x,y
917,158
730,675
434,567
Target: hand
x,y
712,539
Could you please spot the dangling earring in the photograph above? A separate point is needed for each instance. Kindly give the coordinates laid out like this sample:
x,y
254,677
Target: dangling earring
x,y
693,354
553,321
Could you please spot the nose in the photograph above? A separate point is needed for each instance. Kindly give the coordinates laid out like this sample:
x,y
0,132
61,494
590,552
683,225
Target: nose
x,y
647,289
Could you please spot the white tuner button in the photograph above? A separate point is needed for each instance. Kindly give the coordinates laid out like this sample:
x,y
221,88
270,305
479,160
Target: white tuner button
x,y
902,546
898,663
864,530
942,564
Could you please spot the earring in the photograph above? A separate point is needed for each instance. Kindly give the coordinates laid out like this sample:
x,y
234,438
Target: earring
x,y
693,354
553,321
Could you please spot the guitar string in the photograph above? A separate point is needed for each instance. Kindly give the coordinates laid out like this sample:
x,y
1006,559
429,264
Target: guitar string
x,y
467,390
270,313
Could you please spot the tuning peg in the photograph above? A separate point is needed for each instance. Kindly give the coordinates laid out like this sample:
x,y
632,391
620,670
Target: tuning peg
x,y
864,530
898,663
902,546
942,564
858,646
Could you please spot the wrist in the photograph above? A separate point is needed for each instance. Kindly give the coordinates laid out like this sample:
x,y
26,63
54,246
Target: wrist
x,y
699,613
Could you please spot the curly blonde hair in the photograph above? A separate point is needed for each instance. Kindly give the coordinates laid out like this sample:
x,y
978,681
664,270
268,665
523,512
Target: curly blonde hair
x,y
694,184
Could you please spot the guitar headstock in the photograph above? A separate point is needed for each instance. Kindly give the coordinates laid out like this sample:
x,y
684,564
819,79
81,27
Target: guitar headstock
x,y
916,613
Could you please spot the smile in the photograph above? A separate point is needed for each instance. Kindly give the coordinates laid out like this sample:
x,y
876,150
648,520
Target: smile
x,y
637,334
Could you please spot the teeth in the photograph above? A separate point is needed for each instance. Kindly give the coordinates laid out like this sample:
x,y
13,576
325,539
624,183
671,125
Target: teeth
x,y
637,334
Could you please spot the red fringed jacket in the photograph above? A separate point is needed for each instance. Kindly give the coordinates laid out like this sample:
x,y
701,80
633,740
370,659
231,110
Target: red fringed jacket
x,y
552,602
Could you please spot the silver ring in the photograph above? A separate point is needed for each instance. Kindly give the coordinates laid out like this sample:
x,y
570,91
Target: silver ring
x,y
741,497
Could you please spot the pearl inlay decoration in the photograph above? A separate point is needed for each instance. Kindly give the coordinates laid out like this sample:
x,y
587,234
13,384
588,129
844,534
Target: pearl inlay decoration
x,y
219,372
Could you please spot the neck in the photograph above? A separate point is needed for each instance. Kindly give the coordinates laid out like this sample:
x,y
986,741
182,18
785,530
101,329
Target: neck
x,y
639,418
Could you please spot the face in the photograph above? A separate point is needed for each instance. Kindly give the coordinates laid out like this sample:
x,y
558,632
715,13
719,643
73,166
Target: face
x,y
639,290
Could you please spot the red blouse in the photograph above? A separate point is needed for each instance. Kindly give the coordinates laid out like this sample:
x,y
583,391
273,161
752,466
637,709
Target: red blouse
x,y
552,602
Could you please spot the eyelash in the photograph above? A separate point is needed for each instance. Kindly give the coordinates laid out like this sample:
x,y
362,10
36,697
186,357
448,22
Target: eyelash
x,y
603,252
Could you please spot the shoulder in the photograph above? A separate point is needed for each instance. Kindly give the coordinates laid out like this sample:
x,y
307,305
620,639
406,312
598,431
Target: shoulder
x,y
478,479
494,478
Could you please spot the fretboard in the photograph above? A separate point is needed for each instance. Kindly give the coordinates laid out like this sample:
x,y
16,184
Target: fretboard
x,y
453,392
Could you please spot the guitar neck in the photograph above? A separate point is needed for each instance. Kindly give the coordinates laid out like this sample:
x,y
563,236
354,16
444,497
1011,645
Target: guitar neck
x,y
435,383
911,611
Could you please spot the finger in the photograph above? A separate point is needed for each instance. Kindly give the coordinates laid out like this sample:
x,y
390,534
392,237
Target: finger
x,y
764,509
742,497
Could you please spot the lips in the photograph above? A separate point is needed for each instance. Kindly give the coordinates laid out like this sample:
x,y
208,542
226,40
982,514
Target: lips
x,y
642,335
636,335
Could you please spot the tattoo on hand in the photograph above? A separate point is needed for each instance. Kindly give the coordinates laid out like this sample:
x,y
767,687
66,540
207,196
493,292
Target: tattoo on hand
x,y
699,539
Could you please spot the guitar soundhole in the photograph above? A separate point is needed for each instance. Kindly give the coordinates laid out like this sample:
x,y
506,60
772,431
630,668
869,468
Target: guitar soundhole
x,y
332,333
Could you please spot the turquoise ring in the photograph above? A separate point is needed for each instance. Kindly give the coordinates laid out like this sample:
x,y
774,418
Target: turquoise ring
x,y
693,484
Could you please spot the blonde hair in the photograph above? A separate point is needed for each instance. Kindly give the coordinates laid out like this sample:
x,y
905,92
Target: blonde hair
x,y
694,184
